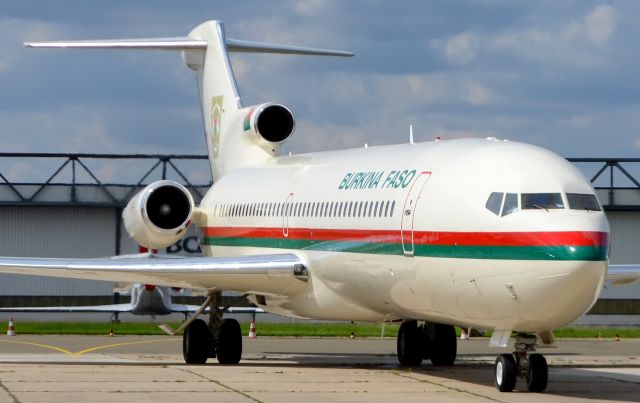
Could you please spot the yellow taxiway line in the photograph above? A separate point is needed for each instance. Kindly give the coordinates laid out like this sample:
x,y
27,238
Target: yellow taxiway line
x,y
90,349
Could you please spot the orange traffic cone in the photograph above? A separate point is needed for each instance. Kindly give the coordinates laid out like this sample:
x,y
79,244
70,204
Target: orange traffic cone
x,y
252,329
11,330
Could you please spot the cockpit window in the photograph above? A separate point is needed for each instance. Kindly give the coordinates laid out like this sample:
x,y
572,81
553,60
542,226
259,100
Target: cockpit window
x,y
579,201
494,202
544,201
510,204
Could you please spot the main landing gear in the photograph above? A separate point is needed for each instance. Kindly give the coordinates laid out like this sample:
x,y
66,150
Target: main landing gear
x,y
221,338
426,341
532,367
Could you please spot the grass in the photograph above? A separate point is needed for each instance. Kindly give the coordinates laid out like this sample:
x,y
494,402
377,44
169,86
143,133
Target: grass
x,y
286,329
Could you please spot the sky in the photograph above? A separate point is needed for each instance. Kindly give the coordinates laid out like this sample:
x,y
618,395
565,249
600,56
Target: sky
x,y
560,74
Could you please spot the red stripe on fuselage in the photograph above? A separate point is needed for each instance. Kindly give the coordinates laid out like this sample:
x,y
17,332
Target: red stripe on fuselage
x,y
570,238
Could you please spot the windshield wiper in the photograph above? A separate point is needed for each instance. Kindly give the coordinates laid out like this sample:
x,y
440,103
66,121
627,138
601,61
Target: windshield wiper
x,y
541,207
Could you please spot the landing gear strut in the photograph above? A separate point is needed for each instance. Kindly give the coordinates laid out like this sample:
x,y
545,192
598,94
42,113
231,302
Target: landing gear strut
x,y
434,341
221,338
530,367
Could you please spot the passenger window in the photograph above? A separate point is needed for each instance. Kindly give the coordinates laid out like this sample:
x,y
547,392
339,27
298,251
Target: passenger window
x,y
510,204
494,202
544,201
380,211
579,201
393,206
386,208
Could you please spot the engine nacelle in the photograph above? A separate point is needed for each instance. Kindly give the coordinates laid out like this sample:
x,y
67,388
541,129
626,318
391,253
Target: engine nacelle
x,y
270,124
159,214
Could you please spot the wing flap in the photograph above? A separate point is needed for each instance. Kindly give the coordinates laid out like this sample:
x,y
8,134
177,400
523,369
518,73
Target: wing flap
x,y
279,274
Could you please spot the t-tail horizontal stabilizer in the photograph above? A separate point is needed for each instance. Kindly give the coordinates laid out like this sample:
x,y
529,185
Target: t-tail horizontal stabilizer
x,y
188,43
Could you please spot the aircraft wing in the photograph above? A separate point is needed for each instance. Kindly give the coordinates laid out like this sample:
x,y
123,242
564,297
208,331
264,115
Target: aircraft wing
x,y
89,308
621,274
278,274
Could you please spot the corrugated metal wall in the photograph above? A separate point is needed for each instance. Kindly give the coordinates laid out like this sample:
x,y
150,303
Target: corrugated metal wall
x,y
55,232
625,249
625,236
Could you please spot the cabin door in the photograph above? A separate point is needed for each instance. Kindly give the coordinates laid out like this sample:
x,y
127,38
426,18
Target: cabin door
x,y
286,213
409,213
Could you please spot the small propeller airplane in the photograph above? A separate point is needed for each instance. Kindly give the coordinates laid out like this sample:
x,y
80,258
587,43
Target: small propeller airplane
x,y
146,299
480,233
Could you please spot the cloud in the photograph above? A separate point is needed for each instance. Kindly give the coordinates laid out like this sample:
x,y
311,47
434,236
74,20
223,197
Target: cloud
x,y
574,41
600,24
15,31
310,8
461,48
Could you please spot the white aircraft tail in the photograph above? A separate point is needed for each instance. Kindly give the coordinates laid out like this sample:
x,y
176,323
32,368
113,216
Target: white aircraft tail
x,y
236,136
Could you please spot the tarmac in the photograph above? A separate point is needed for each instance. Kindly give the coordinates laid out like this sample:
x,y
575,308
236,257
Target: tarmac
x,y
60,368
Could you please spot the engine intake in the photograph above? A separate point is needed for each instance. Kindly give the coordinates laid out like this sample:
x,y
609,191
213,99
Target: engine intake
x,y
159,214
270,123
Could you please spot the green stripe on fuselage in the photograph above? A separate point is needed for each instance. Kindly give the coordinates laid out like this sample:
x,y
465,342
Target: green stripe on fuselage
x,y
585,253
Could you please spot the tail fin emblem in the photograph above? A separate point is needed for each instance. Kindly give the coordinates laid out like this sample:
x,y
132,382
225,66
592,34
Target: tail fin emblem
x,y
216,117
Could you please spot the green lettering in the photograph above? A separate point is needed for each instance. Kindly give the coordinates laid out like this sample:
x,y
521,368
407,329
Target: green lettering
x,y
344,182
407,180
376,179
387,181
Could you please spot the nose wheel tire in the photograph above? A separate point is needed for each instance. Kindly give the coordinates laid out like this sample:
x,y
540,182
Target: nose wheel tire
x,y
538,373
195,342
506,373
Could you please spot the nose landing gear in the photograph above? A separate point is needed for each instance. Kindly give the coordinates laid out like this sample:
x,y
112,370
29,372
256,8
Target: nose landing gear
x,y
530,367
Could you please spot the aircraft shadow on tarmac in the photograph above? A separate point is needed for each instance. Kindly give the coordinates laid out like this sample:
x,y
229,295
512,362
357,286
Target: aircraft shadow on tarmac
x,y
575,382
597,382
593,383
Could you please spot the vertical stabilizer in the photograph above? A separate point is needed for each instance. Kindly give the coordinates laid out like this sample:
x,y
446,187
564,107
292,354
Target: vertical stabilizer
x,y
219,97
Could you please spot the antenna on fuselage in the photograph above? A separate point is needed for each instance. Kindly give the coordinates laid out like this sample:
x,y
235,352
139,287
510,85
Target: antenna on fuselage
x,y
410,134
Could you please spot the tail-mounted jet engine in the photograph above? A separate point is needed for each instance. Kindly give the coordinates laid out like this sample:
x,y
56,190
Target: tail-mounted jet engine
x,y
270,124
159,214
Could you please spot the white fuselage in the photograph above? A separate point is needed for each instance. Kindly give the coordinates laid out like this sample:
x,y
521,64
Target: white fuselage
x,y
405,232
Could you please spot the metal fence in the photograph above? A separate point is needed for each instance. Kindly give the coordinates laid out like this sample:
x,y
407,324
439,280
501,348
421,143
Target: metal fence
x,y
93,190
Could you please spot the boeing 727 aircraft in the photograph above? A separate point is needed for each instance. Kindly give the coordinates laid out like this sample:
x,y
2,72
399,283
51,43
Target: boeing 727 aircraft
x,y
485,233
